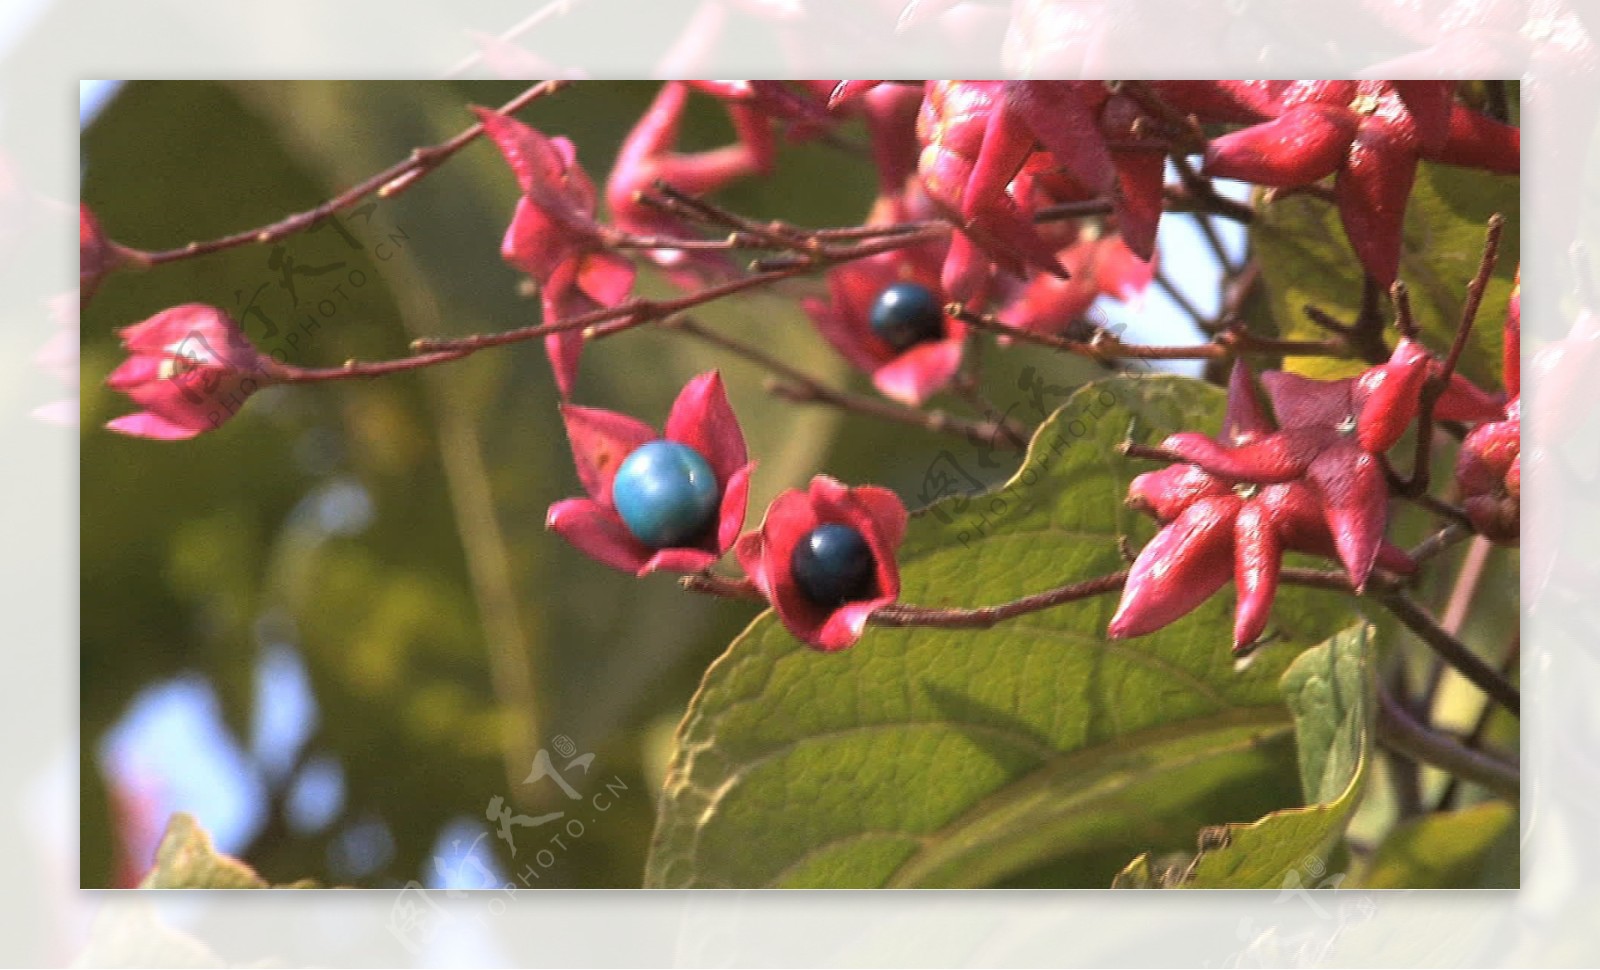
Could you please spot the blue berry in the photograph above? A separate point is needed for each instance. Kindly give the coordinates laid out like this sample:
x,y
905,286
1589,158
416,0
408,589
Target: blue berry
x,y
666,493
907,314
833,565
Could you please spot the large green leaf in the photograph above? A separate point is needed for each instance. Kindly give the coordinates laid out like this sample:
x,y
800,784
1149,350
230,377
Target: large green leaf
x,y
959,758
1473,848
1306,259
186,859
1329,689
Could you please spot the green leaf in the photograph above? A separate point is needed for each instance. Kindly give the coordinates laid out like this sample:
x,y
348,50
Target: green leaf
x,y
1034,751
187,859
1306,259
1473,848
1329,689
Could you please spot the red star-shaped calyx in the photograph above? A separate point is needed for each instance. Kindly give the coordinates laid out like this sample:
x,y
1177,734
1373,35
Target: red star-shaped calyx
x,y
1369,135
1221,527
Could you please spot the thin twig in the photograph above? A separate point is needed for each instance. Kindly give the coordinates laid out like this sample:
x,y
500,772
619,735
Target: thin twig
x,y
1181,299
1434,386
639,311
400,175
1451,650
1397,729
1480,726
1203,191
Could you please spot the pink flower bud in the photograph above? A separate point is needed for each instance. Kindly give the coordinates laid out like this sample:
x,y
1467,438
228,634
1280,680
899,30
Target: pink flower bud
x,y
191,369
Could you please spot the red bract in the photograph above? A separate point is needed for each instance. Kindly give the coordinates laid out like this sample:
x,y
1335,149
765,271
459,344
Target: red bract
x,y
1216,529
1489,475
1369,134
766,555
910,376
553,236
953,127
1330,440
1100,266
97,255
1489,466
601,440
648,155
190,368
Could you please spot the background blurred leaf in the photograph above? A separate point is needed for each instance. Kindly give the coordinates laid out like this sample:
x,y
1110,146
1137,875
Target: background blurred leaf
x,y
1472,848
1037,750
1306,259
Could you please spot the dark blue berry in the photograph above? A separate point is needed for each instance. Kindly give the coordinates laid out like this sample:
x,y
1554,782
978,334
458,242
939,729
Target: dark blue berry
x,y
666,493
833,565
907,314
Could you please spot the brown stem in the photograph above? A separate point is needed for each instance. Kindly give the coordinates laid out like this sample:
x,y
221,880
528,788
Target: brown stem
x,y
1180,199
1405,773
1451,650
355,369
1421,463
639,311
1480,727
1398,729
1181,299
1188,136
1201,189
390,181
981,618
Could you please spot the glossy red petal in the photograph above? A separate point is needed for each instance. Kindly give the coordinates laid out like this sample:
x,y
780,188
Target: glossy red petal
x,y
1429,103
731,512
606,278
1371,191
1355,504
1120,272
1465,401
678,559
534,244
1166,493
1478,141
1279,457
841,333
197,331
564,350
888,513
143,424
1258,556
1511,344
1305,402
532,157
1245,419
1389,395
1179,569
97,255
702,418
597,532
920,372
1305,144
1061,114
967,269
600,441
1237,102
1140,197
